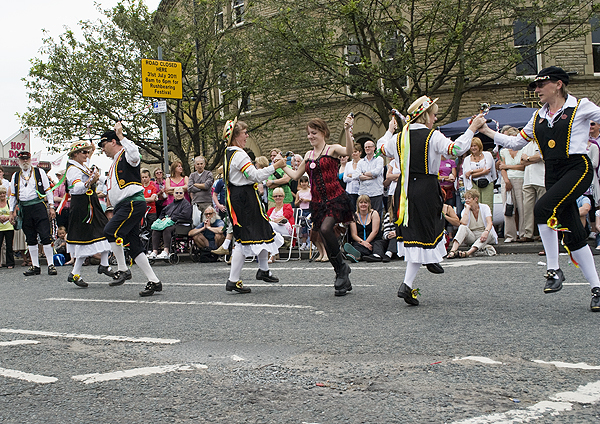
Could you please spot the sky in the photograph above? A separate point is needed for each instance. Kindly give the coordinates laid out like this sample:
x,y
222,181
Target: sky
x,y
21,26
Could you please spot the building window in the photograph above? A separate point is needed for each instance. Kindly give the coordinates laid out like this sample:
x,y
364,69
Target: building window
x,y
391,50
353,60
595,23
525,39
237,9
244,103
219,19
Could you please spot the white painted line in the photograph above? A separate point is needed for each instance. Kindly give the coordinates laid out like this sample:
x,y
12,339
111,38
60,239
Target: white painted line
x,y
533,412
590,393
481,359
252,284
90,336
18,342
135,372
237,358
171,302
558,364
372,266
576,284
33,378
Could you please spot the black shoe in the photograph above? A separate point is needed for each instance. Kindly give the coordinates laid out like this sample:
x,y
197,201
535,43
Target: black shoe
x,y
150,288
77,280
106,271
595,304
238,287
342,283
32,270
435,268
372,258
553,284
386,259
120,277
409,295
52,270
264,275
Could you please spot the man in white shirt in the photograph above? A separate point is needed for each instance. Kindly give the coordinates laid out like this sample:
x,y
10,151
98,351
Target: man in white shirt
x,y
126,195
533,186
370,170
30,190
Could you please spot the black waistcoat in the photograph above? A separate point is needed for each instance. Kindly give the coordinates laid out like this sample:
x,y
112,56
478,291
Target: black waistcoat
x,y
554,142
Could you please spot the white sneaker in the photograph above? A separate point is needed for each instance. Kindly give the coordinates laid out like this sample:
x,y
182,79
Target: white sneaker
x,y
151,255
163,255
303,247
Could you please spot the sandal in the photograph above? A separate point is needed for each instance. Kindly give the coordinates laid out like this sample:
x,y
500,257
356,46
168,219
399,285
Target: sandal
x,y
453,254
462,254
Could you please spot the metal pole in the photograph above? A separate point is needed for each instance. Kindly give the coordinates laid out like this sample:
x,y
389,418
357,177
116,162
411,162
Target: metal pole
x,y
163,124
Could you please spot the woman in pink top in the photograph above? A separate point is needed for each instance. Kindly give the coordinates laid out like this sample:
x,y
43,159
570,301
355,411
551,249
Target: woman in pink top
x,y
176,179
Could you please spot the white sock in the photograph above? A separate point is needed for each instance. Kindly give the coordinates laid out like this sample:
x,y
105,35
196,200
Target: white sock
x,y
389,254
585,259
104,258
263,261
237,262
119,255
49,252
78,265
411,273
34,253
226,244
550,241
141,260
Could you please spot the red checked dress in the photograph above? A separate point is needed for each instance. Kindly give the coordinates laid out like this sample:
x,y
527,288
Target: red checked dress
x,y
328,196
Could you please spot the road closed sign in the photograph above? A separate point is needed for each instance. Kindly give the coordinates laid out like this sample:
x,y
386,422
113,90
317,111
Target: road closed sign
x,y
161,79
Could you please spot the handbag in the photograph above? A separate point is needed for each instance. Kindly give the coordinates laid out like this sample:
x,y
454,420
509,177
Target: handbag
x,y
510,207
161,224
196,215
18,219
482,182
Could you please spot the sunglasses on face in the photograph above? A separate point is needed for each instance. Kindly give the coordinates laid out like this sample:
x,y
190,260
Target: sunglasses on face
x,y
277,195
540,84
593,124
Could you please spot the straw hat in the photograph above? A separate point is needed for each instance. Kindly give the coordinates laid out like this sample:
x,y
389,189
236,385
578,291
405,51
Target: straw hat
x,y
78,146
228,130
419,106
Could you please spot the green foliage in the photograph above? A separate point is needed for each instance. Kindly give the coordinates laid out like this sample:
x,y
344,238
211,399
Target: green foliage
x,y
385,53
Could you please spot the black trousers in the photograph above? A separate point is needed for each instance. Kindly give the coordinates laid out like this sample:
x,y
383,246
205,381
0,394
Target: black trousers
x,y
125,224
8,235
566,180
36,222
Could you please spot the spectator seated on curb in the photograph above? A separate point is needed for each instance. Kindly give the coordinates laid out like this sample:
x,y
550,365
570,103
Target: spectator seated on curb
x,y
365,233
209,233
476,228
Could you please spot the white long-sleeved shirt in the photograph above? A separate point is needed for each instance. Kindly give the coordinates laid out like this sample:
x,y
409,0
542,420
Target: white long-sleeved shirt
x,y
28,188
439,145
351,178
372,187
242,172
132,156
586,112
77,176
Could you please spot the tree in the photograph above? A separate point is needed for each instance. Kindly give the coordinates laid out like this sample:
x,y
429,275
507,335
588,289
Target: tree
x,y
386,53
97,80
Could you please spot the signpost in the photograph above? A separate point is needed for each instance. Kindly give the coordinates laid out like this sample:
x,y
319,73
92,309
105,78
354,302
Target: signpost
x,y
161,79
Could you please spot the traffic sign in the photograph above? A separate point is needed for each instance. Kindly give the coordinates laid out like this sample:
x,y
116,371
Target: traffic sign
x,y
161,79
159,106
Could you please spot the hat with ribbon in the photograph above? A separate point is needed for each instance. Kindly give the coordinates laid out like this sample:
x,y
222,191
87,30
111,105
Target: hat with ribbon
x,y
228,130
78,146
551,73
419,106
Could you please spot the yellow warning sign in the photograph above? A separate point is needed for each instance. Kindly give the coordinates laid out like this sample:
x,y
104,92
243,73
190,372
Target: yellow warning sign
x,y
161,79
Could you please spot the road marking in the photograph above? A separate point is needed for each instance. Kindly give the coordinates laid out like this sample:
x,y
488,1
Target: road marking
x,y
372,266
33,378
253,284
590,393
18,342
90,336
172,302
576,284
135,372
481,359
237,358
533,412
558,364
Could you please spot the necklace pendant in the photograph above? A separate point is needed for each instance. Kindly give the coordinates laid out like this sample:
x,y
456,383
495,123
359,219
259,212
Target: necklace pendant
x,y
312,165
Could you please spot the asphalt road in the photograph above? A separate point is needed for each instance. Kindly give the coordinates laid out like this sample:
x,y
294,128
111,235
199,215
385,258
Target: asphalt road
x,y
485,340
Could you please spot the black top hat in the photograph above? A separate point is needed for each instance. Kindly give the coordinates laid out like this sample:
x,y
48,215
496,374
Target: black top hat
x,y
24,155
551,73
107,136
